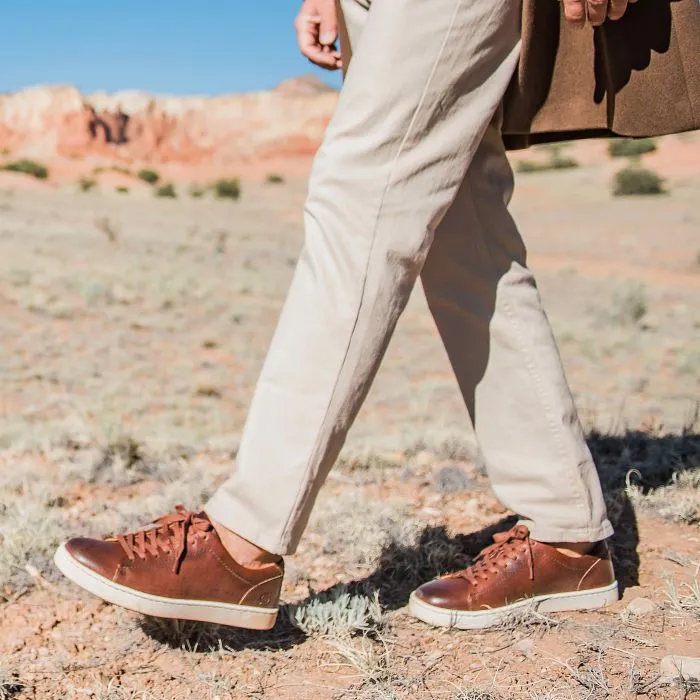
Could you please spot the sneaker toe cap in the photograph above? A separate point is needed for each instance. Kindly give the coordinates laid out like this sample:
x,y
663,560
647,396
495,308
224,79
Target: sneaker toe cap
x,y
97,555
448,593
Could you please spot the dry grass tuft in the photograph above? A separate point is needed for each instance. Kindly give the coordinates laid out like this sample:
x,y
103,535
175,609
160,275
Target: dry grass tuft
x,y
527,619
355,530
678,502
111,690
30,531
369,661
684,599
472,694
655,457
10,682
108,228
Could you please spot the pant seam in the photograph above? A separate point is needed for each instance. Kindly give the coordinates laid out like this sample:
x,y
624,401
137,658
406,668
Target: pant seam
x,y
577,483
419,106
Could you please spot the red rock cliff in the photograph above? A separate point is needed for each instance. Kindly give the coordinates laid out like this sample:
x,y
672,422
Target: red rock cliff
x,y
248,131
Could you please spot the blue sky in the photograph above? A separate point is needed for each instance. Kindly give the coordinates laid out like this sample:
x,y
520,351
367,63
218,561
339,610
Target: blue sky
x,y
174,46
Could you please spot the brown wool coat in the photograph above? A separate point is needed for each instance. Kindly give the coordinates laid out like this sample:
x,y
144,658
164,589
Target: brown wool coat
x,y
639,76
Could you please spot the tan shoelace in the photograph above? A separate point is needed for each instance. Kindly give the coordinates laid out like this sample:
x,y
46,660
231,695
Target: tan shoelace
x,y
167,534
506,546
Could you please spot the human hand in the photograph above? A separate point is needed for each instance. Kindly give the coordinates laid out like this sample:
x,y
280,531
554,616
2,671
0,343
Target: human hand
x,y
595,11
317,33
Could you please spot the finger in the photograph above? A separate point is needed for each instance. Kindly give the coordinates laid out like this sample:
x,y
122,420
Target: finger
x,y
322,56
308,27
617,9
307,35
329,24
597,12
575,11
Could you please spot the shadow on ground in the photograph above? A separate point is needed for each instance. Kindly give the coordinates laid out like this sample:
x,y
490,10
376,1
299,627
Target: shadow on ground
x,y
205,638
653,459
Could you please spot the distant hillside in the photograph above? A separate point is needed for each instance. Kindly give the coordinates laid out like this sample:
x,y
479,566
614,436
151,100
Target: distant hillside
x,y
187,135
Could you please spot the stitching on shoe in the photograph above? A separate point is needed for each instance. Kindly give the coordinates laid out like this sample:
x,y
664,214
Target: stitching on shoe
x,y
229,569
257,585
588,571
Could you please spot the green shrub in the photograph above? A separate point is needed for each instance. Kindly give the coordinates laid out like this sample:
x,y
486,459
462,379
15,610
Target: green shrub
x,y
635,180
121,189
166,190
630,306
87,183
560,162
227,188
197,191
557,161
621,148
531,166
28,167
149,176
274,179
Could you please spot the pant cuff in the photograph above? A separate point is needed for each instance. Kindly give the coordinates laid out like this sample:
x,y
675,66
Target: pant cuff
x,y
543,533
230,513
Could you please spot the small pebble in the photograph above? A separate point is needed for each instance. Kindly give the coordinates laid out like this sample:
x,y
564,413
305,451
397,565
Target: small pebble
x,y
451,479
641,606
525,646
685,667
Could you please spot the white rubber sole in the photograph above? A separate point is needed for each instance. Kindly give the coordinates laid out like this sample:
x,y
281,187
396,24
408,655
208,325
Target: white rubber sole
x,y
230,614
481,619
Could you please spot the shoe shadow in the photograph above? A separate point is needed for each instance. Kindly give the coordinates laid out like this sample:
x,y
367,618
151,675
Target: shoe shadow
x,y
403,567
641,460
202,637
654,459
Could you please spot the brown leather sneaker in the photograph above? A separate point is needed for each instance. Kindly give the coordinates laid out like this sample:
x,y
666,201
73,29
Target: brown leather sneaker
x,y
178,568
514,573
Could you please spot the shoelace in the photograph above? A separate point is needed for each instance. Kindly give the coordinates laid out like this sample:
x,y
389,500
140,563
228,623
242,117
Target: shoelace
x,y
168,533
506,546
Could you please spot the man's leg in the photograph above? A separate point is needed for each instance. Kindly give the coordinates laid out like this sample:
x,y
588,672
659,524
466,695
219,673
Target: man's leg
x,y
499,341
423,85
489,314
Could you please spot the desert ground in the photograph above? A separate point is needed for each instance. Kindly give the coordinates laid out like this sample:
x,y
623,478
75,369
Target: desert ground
x,y
133,329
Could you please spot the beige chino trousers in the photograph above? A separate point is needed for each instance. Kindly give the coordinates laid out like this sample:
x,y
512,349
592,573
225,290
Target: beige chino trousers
x,y
412,179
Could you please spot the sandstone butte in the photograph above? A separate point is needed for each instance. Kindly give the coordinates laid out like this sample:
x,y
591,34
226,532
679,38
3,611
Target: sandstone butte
x,y
186,138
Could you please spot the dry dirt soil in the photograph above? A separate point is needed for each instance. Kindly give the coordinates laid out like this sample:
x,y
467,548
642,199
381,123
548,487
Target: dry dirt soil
x,y
133,329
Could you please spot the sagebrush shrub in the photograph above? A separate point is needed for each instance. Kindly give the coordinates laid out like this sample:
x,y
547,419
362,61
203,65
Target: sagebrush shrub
x,y
227,188
621,148
87,183
635,180
197,191
28,167
167,190
557,161
149,176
